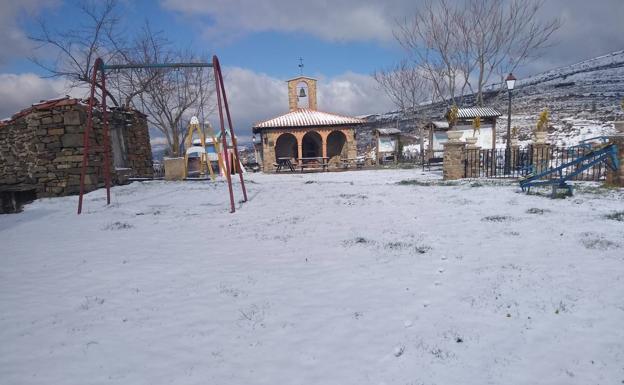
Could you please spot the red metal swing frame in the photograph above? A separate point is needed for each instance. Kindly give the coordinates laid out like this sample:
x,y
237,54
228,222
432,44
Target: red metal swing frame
x,y
101,67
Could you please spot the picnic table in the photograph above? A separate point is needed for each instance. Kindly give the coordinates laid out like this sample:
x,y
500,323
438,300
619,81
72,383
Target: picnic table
x,y
314,162
284,163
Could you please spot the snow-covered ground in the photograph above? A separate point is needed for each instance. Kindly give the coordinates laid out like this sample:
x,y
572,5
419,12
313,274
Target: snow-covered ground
x,y
333,278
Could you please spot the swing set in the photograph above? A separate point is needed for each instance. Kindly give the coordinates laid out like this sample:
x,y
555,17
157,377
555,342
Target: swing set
x,y
100,68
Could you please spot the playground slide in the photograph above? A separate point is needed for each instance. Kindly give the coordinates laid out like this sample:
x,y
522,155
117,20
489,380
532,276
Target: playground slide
x,y
557,177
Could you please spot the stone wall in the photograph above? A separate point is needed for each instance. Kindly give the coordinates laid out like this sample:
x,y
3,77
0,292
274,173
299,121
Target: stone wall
x,y
139,147
269,139
43,147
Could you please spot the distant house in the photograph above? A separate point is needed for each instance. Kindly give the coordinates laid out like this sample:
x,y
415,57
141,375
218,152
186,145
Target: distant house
x,y
387,143
437,136
41,148
486,135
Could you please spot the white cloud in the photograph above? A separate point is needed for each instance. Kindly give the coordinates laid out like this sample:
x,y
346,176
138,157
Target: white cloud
x,y
352,94
327,19
15,43
254,97
597,24
19,91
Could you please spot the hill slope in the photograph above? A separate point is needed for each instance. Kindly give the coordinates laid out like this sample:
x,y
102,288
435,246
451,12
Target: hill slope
x,y
582,98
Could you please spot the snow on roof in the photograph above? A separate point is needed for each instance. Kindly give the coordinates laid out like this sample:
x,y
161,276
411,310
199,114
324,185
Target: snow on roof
x,y
473,112
388,131
46,105
441,124
304,117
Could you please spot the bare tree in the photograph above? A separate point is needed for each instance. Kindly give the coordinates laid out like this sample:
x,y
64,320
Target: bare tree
x,y
503,35
77,49
433,40
172,95
407,88
458,44
167,96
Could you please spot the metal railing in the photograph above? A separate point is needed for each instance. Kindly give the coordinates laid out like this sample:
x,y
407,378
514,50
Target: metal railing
x,y
491,163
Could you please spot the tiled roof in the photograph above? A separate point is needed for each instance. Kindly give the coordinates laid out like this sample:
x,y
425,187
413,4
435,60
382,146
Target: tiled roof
x,y
304,117
46,105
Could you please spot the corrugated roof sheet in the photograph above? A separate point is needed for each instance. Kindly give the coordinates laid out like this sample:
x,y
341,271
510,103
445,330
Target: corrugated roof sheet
x,y
473,112
304,117
388,131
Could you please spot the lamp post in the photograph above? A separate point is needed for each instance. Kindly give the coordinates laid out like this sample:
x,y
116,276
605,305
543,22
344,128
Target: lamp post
x,y
511,82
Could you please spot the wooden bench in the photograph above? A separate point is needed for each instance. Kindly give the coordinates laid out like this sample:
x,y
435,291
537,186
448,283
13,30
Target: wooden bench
x,y
312,166
314,163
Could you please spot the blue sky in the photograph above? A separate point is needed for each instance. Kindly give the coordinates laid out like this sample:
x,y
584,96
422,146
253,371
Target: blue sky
x,y
259,43
275,53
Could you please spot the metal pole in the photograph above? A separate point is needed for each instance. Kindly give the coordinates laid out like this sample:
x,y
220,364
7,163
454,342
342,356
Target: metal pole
x,y
228,175
508,146
155,65
105,140
87,130
217,65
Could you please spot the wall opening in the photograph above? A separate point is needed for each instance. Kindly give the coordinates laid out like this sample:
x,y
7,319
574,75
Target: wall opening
x,y
336,145
312,145
286,146
303,101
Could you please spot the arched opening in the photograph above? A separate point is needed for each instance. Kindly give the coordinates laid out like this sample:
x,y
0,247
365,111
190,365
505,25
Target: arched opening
x,y
336,146
303,95
312,145
286,146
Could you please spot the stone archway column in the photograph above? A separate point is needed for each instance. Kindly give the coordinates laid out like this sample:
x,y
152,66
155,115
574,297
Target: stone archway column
x,y
299,148
324,135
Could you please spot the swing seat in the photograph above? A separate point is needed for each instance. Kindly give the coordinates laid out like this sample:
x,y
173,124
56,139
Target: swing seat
x,y
195,150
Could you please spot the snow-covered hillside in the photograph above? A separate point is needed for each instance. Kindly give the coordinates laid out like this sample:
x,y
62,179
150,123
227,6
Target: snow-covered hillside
x,y
583,99
332,278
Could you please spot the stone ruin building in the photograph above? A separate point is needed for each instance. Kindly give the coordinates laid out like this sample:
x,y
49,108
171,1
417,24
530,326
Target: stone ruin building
x,y
41,150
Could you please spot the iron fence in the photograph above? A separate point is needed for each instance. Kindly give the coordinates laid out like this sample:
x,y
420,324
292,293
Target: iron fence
x,y
520,162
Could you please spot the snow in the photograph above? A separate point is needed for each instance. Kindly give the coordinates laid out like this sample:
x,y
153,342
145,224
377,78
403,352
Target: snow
x,y
329,278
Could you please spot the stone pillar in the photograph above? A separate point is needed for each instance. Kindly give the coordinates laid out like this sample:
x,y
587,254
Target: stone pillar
x,y
324,145
300,150
541,157
454,156
351,143
268,150
616,178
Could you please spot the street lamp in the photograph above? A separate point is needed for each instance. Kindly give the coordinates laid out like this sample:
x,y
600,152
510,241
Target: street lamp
x,y
511,82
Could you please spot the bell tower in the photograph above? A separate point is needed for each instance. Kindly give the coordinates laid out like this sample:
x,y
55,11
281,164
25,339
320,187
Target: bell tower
x,y
302,93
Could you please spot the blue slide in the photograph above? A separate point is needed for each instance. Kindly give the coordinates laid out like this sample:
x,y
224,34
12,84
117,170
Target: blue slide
x,y
558,177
